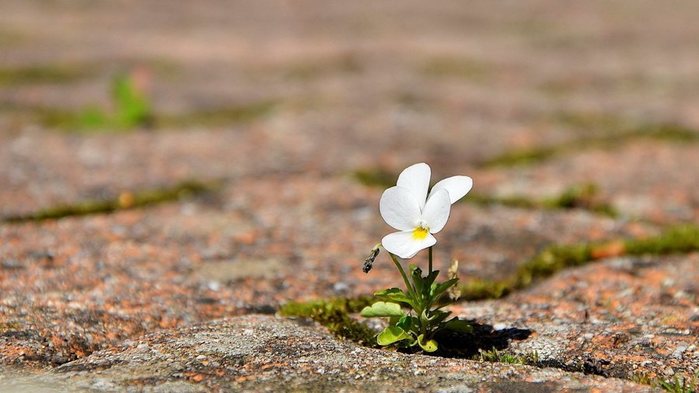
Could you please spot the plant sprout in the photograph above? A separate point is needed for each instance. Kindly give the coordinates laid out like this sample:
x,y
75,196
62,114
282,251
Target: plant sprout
x,y
415,314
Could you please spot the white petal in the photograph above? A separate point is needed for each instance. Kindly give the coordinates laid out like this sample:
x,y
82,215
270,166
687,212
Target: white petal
x,y
399,208
436,212
457,186
405,245
416,178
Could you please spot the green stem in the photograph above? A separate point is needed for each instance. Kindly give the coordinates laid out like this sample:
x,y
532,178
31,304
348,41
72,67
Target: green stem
x,y
402,273
430,264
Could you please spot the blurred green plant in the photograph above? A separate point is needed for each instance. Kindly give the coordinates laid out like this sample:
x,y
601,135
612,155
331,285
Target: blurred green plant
x,y
132,108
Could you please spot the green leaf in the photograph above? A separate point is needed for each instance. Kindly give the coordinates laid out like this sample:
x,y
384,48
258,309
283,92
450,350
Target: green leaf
x,y
429,346
437,316
382,309
395,295
458,325
416,274
132,107
429,280
406,322
439,289
390,335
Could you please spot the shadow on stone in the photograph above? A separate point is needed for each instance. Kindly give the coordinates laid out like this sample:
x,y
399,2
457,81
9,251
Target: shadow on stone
x,y
483,338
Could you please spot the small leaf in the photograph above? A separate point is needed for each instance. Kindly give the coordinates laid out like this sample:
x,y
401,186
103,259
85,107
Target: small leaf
x,y
390,335
438,316
394,294
458,325
430,278
382,309
439,289
429,346
416,274
406,322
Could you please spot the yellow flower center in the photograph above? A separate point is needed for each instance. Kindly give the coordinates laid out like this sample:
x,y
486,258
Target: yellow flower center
x,y
420,233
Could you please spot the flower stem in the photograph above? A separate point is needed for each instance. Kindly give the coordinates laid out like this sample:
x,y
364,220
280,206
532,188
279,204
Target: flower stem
x,y
402,273
430,261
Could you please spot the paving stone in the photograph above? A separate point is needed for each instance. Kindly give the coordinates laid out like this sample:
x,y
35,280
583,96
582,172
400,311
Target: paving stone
x,y
642,180
624,317
264,353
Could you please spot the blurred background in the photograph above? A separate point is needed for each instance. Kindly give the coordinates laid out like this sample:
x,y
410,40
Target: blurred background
x,y
332,86
548,105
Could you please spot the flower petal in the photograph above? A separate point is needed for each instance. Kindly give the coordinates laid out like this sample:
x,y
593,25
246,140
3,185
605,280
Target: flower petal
x,y
405,245
436,211
457,186
399,208
416,178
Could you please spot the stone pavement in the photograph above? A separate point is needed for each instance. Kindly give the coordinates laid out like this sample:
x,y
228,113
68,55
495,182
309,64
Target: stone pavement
x,y
275,108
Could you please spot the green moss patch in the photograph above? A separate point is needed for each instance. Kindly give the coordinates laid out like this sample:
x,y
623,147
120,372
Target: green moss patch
x,y
334,314
581,196
375,177
678,384
609,133
677,240
125,200
51,73
496,356
456,67
219,116
344,64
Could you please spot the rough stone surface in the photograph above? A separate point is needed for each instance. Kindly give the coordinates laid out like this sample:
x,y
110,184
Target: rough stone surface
x,y
264,353
623,317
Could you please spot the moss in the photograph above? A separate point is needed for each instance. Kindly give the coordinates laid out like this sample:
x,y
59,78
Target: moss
x,y
345,64
52,73
125,200
524,156
681,239
9,326
550,261
494,355
220,116
9,38
334,314
679,384
93,119
464,68
609,133
591,122
375,177
478,289
582,196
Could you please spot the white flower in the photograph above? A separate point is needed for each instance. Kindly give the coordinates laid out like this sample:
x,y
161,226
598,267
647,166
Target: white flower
x,y
408,208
